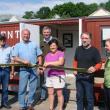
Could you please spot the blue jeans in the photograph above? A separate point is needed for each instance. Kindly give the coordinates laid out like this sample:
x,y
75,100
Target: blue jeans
x,y
4,81
43,87
84,86
43,92
27,77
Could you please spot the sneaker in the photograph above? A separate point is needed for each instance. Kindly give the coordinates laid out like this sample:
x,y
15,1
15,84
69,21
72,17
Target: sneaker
x,y
7,106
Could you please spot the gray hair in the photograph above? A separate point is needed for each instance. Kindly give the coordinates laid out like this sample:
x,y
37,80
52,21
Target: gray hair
x,y
46,28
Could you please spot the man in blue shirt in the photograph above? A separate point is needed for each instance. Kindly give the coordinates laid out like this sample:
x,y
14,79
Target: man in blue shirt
x,y
27,52
5,58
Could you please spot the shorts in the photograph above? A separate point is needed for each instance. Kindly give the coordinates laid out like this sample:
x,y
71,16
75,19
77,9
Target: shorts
x,y
55,81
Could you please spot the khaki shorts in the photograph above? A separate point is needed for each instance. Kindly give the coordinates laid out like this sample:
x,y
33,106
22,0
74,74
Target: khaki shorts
x,y
55,81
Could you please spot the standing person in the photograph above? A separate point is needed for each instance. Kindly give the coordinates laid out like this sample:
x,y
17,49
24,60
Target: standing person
x,y
55,79
5,58
107,76
27,52
86,56
46,32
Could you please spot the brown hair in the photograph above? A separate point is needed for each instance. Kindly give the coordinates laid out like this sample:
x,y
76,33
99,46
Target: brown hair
x,y
108,39
2,37
87,33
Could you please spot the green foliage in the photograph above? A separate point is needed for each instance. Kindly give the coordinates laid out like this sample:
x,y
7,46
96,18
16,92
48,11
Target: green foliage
x,y
102,5
107,5
81,9
29,15
43,13
91,8
66,10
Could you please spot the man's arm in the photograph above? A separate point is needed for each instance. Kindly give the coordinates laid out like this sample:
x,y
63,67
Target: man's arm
x,y
97,59
75,65
19,60
12,69
40,60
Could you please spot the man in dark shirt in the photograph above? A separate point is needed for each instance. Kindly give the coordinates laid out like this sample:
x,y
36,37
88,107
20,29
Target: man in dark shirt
x,y
86,56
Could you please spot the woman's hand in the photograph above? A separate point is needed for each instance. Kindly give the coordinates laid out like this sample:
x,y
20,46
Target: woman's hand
x,y
47,64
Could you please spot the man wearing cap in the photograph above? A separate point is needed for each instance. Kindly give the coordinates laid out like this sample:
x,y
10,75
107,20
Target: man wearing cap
x,y
5,58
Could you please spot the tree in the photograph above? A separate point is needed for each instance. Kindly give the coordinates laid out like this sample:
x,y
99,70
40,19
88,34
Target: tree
x,y
102,5
65,10
80,9
107,5
29,15
43,13
91,8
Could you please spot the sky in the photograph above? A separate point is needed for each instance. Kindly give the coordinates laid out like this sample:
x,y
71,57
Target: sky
x,y
18,7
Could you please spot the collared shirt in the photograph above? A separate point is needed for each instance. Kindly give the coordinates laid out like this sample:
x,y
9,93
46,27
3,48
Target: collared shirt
x,y
5,54
27,51
50,38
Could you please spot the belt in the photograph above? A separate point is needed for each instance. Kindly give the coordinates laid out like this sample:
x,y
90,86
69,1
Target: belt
x,y
3,67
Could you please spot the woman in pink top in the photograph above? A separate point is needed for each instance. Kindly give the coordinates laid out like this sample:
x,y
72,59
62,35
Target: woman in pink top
x,y
55,79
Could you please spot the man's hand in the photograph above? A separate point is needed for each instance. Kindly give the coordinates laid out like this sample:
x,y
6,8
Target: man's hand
x,y
91,69
12,74
26,62
40,70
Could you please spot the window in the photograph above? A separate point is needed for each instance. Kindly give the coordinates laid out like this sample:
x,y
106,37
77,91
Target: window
x,y
68,40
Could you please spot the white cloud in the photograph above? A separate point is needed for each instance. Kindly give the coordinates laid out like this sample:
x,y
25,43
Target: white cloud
x,y
19,8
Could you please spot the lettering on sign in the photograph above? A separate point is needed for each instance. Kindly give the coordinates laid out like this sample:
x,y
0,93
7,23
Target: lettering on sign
x,y
12,34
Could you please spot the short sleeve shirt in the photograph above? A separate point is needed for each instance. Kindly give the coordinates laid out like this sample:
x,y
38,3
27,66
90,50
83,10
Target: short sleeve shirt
x,y
87,57
27,51
5,55
50,57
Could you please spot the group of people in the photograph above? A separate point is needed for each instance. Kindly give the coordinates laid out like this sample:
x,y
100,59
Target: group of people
x,y
51,53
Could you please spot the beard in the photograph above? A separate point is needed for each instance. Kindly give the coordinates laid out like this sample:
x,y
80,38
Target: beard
x,y
85,45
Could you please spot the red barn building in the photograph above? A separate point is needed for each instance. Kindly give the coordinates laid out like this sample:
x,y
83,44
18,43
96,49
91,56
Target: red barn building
x,y
67,30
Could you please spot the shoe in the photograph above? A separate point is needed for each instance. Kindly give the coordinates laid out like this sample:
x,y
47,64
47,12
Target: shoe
x,y
42,99
7,106
1,106
30,107
64,105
